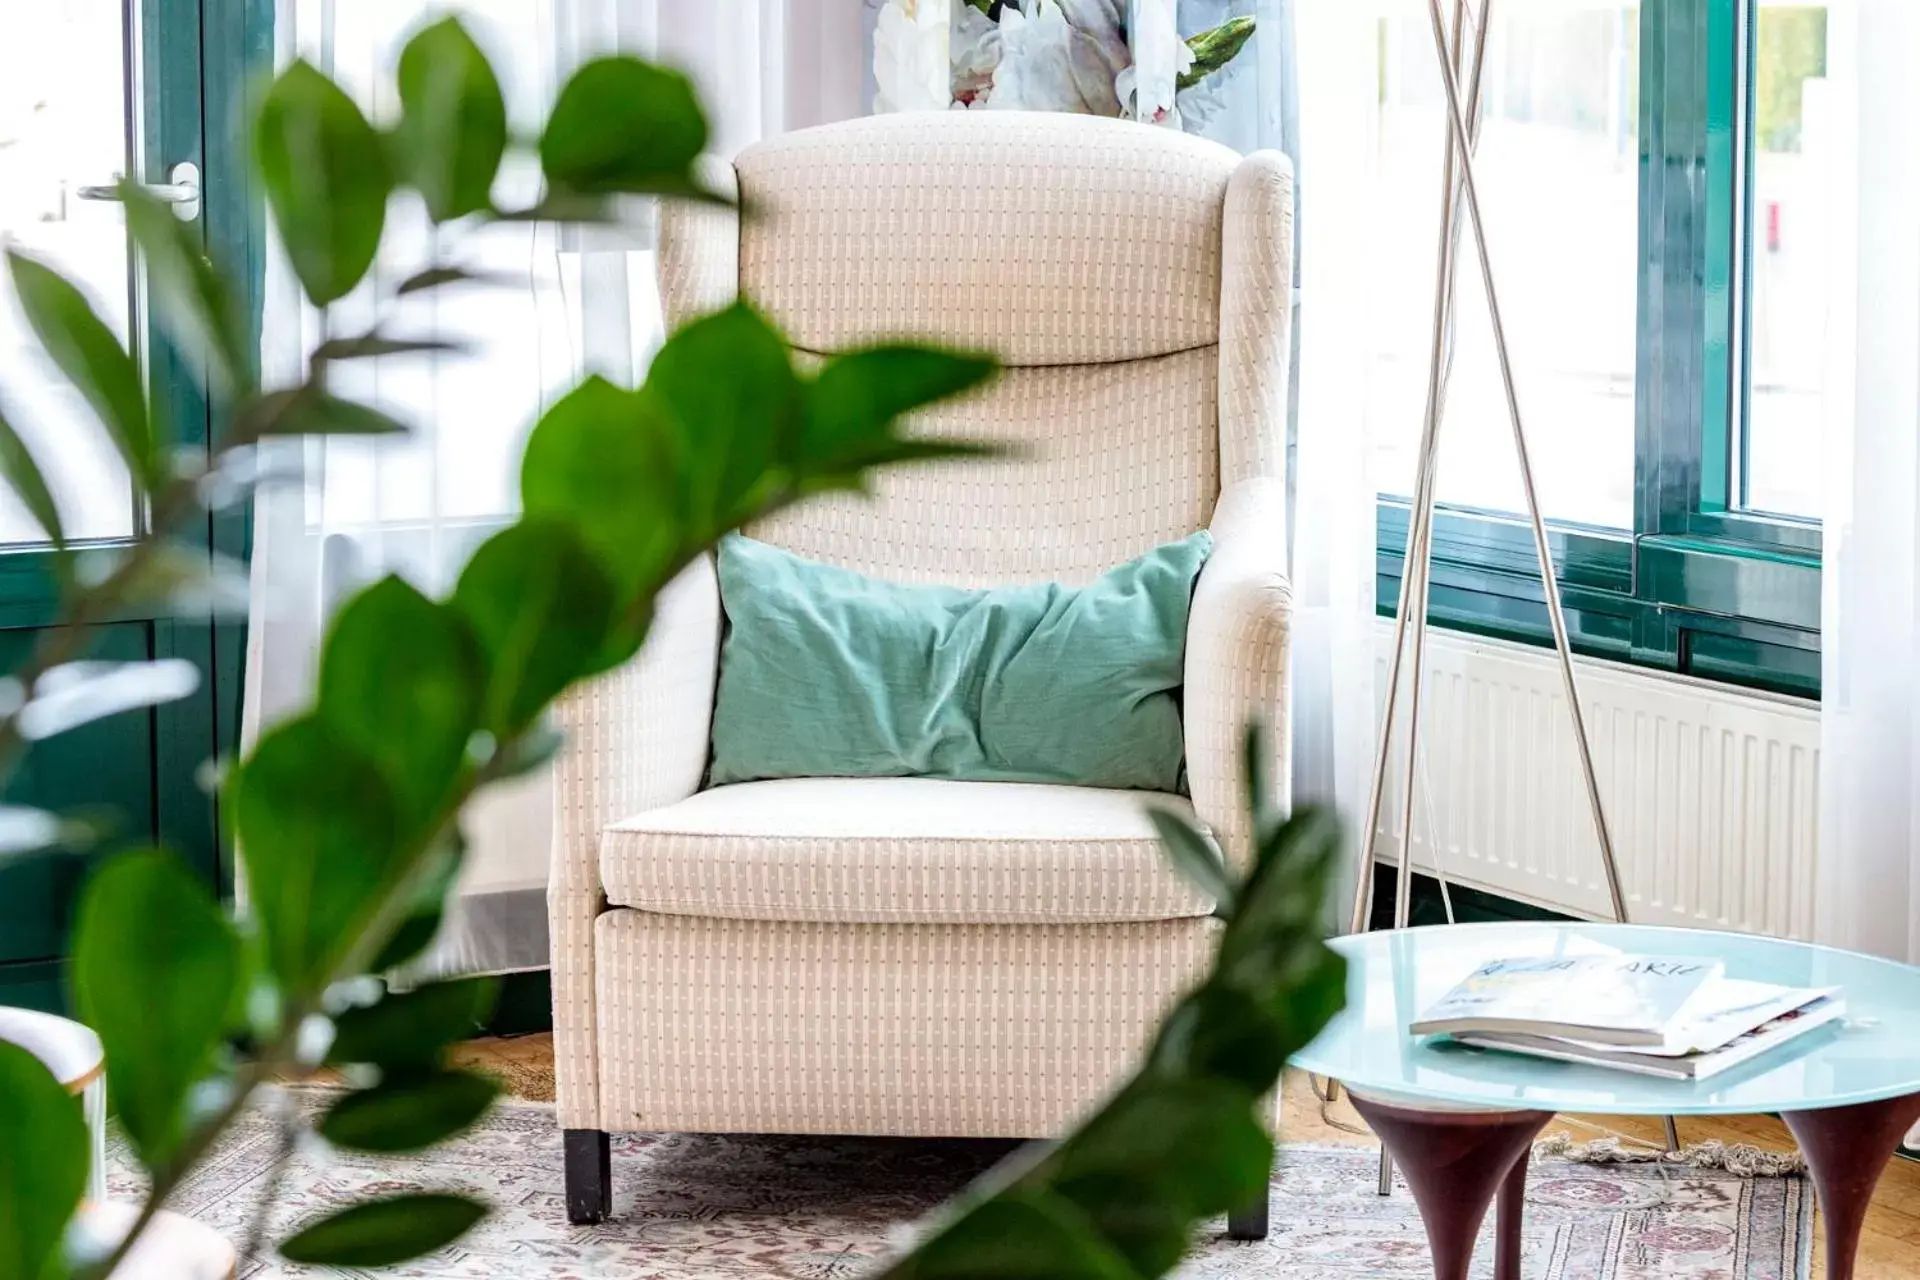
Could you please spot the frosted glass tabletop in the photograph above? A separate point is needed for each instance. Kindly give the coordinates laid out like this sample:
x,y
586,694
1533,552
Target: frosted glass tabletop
x,y
1871,1054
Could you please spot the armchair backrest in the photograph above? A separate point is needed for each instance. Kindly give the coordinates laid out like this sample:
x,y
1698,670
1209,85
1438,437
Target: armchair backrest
x,y
1133,279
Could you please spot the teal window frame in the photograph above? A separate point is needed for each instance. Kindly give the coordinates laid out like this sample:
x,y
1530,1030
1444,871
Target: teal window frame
x,y
1698,585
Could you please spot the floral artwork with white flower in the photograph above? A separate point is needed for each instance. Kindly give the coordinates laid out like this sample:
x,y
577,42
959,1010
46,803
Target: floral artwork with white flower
x,y
1123,58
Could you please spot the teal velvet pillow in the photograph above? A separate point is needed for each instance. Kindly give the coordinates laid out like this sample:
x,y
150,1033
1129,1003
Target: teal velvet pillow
x,y
828,673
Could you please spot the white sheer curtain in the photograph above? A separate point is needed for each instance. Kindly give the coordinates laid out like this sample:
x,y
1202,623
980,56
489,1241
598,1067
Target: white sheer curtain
x,y
1869,887
572,300
1332,493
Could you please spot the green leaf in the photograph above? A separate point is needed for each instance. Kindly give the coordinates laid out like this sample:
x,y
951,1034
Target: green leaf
x,y
1021,1234
408,1111
542,607
190,299
727,380
428,905
1196,859
29,484
309,411
1221,1032
27,830
44,1155
411,1028
441,277
1253,760
1275,931
620,124
528,751
379,1233
173,578
369,345
87,352
606,462
155,968
317,834
400,682
453,123
1214,48
852,407
1152,1128
564,206
77,693
326,177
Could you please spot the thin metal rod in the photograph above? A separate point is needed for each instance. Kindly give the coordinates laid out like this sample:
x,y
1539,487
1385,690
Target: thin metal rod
x,y
1416,572
1548,579
1415,578
1443,295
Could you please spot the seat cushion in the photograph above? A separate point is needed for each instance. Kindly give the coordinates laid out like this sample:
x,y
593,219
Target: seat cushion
x,y
900,850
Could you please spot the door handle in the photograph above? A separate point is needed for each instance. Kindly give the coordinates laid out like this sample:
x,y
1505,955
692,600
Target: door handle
x,y
181,190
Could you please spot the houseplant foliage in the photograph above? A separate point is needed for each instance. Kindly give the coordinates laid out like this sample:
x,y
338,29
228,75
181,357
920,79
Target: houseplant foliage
x,y
347,817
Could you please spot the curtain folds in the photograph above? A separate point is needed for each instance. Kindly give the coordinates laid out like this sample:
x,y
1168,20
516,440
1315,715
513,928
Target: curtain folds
x,y
1868,895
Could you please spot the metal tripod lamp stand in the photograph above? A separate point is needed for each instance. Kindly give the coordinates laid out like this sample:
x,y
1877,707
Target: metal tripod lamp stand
x,y
1462,53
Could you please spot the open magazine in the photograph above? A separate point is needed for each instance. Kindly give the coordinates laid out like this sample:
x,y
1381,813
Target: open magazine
x,y
1679,1018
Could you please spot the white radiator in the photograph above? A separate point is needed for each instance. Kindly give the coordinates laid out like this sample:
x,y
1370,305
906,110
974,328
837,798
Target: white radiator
x,y
1710,791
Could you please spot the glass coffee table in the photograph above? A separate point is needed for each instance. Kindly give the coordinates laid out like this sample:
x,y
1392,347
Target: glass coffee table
x,y
1460,1122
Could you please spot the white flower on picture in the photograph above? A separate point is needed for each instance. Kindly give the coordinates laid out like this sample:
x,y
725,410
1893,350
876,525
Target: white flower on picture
x,y
1094,57
911,71
1160,58
975,45
1065,56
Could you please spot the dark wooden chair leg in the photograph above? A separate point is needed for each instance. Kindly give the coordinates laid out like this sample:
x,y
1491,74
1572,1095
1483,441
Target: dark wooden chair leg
x,y
1847,1148
589,1159
1251,1222
1455,1162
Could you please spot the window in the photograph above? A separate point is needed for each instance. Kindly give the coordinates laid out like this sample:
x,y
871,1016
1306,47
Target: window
x,y
1557,173
1791,159
1656,182
64,119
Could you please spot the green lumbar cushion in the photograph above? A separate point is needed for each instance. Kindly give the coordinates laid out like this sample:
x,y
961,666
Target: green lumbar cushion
x,y
829,673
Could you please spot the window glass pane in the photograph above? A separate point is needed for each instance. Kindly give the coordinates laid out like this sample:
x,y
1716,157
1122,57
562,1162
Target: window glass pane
x,y
63,125
1793,152
1557,171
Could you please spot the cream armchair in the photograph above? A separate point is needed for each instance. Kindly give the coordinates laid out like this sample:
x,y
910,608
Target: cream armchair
x,y
912,956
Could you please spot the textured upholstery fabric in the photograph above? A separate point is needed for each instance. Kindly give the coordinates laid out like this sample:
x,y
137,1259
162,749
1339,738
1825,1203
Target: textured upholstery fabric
x,y
1109,460
636,740
1049,239
900,850
753,1026
1139,282
1237,659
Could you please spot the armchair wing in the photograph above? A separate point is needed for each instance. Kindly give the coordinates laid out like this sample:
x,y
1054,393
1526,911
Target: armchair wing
x,y
1237,634
637,739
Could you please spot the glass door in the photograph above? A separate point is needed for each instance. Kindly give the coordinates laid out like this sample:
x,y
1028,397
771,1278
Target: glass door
x,y
92,90
64,130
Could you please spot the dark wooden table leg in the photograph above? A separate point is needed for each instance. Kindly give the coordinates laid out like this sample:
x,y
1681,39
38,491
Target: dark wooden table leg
x,y
1510,1208
1847,1148
1455,1161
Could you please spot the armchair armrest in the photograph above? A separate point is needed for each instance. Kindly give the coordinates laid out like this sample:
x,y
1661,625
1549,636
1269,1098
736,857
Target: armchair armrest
x,y
636,739
1237,635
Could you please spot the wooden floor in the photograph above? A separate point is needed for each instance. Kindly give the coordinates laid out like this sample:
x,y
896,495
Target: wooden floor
x,y
1890,1249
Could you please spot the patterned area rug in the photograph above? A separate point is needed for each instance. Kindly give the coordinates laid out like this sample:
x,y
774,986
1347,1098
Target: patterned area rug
x,y
690,1206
